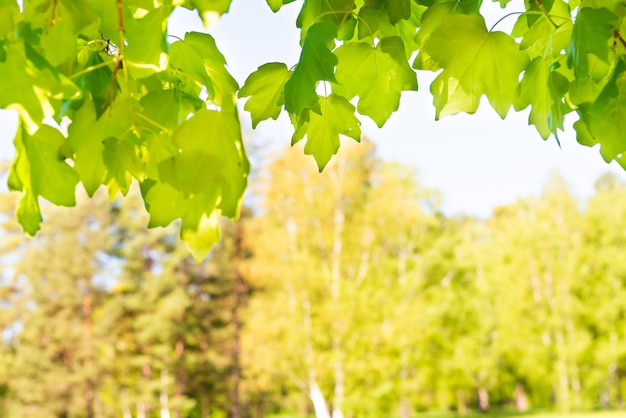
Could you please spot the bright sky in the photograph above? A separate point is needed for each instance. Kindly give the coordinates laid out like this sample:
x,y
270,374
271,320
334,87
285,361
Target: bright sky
x,y
476,161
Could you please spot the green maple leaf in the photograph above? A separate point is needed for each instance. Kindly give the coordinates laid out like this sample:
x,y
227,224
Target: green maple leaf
x,y
106,11
543,89
39,169
585,90
59,42
475,62
162,111
374,22
17,81
61,26
99,85
386,69
198,57
210,9
323,130
604,122
265,87
210,153
146,52
398,10
203,180
197,213
275,5
317,63
336,12
87,147
431,20
9,12
200,240
120,156
162,107
591,34
58,86
539,34
106,150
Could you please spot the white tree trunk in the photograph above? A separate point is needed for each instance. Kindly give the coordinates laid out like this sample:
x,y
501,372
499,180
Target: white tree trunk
x,y
319,403
125,408
338,399
163,398
335,290
141,410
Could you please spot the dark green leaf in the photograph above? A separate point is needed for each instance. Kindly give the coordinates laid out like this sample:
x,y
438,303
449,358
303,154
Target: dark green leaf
x,y
591,35
265,87
317,63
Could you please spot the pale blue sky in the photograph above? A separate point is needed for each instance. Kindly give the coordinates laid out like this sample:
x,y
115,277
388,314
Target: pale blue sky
x,y
476,161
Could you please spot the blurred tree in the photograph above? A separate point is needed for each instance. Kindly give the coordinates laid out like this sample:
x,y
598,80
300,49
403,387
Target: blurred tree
x,y
11,238
126,323
172,323
336,259
459,320
602,279
536,243
57,287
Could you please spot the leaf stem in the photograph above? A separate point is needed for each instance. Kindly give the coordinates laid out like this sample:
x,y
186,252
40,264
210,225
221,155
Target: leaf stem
x,y
533,12
156,124
504,17
52,16
333,12
101,42
545,13
369,28
184,74
121,47
619,37
91,68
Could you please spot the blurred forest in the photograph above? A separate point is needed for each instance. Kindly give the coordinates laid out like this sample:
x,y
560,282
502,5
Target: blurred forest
x,y
341,294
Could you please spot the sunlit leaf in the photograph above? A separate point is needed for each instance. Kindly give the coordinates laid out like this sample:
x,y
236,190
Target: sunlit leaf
x,y
322,130
388,73
265,87
472,61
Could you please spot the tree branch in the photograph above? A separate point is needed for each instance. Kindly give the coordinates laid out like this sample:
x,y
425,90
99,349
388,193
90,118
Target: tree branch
x,y
619,37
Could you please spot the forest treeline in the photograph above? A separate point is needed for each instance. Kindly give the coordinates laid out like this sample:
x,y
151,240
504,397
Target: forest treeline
x,y
341,294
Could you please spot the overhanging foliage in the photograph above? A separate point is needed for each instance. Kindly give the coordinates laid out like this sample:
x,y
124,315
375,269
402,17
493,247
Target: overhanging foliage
x,y
165,113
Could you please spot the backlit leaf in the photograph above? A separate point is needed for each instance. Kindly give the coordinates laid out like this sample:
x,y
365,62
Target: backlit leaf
x,y
336,12
388,73
275,5
210,155
198,57
591,34
472,59
40,170
317,63
265,87
88,148
398,10
540,89
146,52
604,122
322,130
9,11
17,82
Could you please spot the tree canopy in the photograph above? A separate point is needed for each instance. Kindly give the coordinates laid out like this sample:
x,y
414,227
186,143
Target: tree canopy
x,y
141,106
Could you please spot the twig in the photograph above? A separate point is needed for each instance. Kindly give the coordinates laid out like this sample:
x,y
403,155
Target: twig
x,y
619,37
120,47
